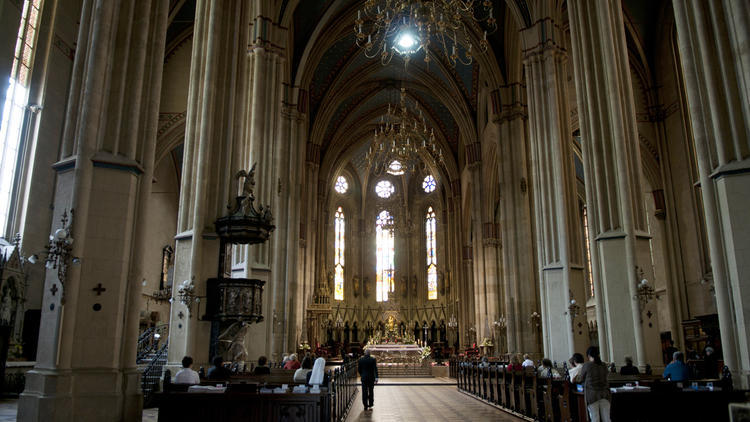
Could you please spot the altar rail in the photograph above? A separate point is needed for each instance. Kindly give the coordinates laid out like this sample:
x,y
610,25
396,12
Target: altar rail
x,y
534,398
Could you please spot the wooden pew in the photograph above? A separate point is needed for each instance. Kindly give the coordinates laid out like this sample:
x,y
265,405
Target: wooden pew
x,y
530,390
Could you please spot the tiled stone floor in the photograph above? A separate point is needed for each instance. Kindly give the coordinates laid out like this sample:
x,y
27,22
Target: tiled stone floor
x,y
431,403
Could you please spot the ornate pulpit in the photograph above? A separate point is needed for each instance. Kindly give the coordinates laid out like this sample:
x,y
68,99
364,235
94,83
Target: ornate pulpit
x,y
234,302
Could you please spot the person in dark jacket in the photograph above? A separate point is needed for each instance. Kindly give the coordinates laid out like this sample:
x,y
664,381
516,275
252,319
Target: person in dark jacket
x,y
629,369
596,386
218,371
262,368
368,373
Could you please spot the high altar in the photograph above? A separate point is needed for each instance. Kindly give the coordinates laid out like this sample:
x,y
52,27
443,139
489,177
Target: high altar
x,y
394,348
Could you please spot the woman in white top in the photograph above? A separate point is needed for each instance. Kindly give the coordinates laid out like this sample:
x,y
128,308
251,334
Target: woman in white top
x,y
187,375
300,375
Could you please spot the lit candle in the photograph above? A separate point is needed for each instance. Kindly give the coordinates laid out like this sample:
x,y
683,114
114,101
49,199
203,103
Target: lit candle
x,y
485,35
369,39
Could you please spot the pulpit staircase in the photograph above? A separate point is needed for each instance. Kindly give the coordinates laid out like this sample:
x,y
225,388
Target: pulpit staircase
x,y
151,358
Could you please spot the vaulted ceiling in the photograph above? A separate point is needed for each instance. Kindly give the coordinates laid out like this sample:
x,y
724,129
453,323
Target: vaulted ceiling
x,y
349,92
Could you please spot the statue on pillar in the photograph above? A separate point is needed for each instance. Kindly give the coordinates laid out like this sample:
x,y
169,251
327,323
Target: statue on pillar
x,y
404,287
355,284
366,282
414,287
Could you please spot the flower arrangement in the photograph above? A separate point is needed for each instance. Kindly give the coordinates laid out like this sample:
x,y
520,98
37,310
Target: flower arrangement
x,y
304,346
425,352
486,342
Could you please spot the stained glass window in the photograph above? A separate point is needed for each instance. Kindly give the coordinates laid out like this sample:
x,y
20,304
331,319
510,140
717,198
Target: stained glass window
x,y
14,106
430,234
588,250
341,185
385,253
429,184
384,189
338,281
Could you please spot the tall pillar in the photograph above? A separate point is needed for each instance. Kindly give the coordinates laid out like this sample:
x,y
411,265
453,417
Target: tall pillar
x,y
85,366
612,163
479,276
557,227
519,280
713,39
214,152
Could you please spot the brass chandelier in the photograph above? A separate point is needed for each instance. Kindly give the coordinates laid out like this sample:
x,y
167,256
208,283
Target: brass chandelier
x,y
386,27
400,139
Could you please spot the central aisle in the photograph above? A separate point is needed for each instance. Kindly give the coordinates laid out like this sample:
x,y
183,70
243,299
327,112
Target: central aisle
x,y
429,403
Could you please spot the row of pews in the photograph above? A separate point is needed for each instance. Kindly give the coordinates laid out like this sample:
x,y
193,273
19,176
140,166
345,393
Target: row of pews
x,y
534,398
247,398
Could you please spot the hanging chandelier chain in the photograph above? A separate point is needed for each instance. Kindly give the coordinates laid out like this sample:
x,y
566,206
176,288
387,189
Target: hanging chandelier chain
x,y
401,137
386,27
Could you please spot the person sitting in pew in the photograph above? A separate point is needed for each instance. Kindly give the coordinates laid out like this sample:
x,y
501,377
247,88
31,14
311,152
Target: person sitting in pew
x,y
292,363
218,371
547,371
629,369
710,363
300,375
318,376
262,368
677,370
527,361
186,375
576,364
515,363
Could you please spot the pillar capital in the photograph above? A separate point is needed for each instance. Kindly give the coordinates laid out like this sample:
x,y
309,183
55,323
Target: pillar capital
x,y
545,37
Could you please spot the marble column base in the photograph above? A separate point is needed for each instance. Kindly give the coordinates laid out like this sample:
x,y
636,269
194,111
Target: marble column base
x,y
81,395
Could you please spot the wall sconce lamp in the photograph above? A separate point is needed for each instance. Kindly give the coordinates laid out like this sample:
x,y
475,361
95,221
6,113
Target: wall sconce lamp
x,y
535,319
501,323
573,309
453,322
186,295
644,290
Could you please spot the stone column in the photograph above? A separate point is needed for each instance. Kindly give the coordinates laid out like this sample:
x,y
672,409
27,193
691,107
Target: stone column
x,y
519,281
473,160
612,164
85,366
557,227
214,152
713,39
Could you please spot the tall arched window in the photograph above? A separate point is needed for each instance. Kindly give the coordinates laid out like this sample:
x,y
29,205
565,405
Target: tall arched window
x,y
430,230
14,112
338,260
384,258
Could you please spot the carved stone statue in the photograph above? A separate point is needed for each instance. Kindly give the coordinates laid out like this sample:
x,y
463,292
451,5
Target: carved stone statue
x,y
414,287
366,282
404,287
329,284
355,283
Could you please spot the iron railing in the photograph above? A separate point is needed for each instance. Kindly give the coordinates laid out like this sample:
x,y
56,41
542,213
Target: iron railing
x,y
342,390
152,374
